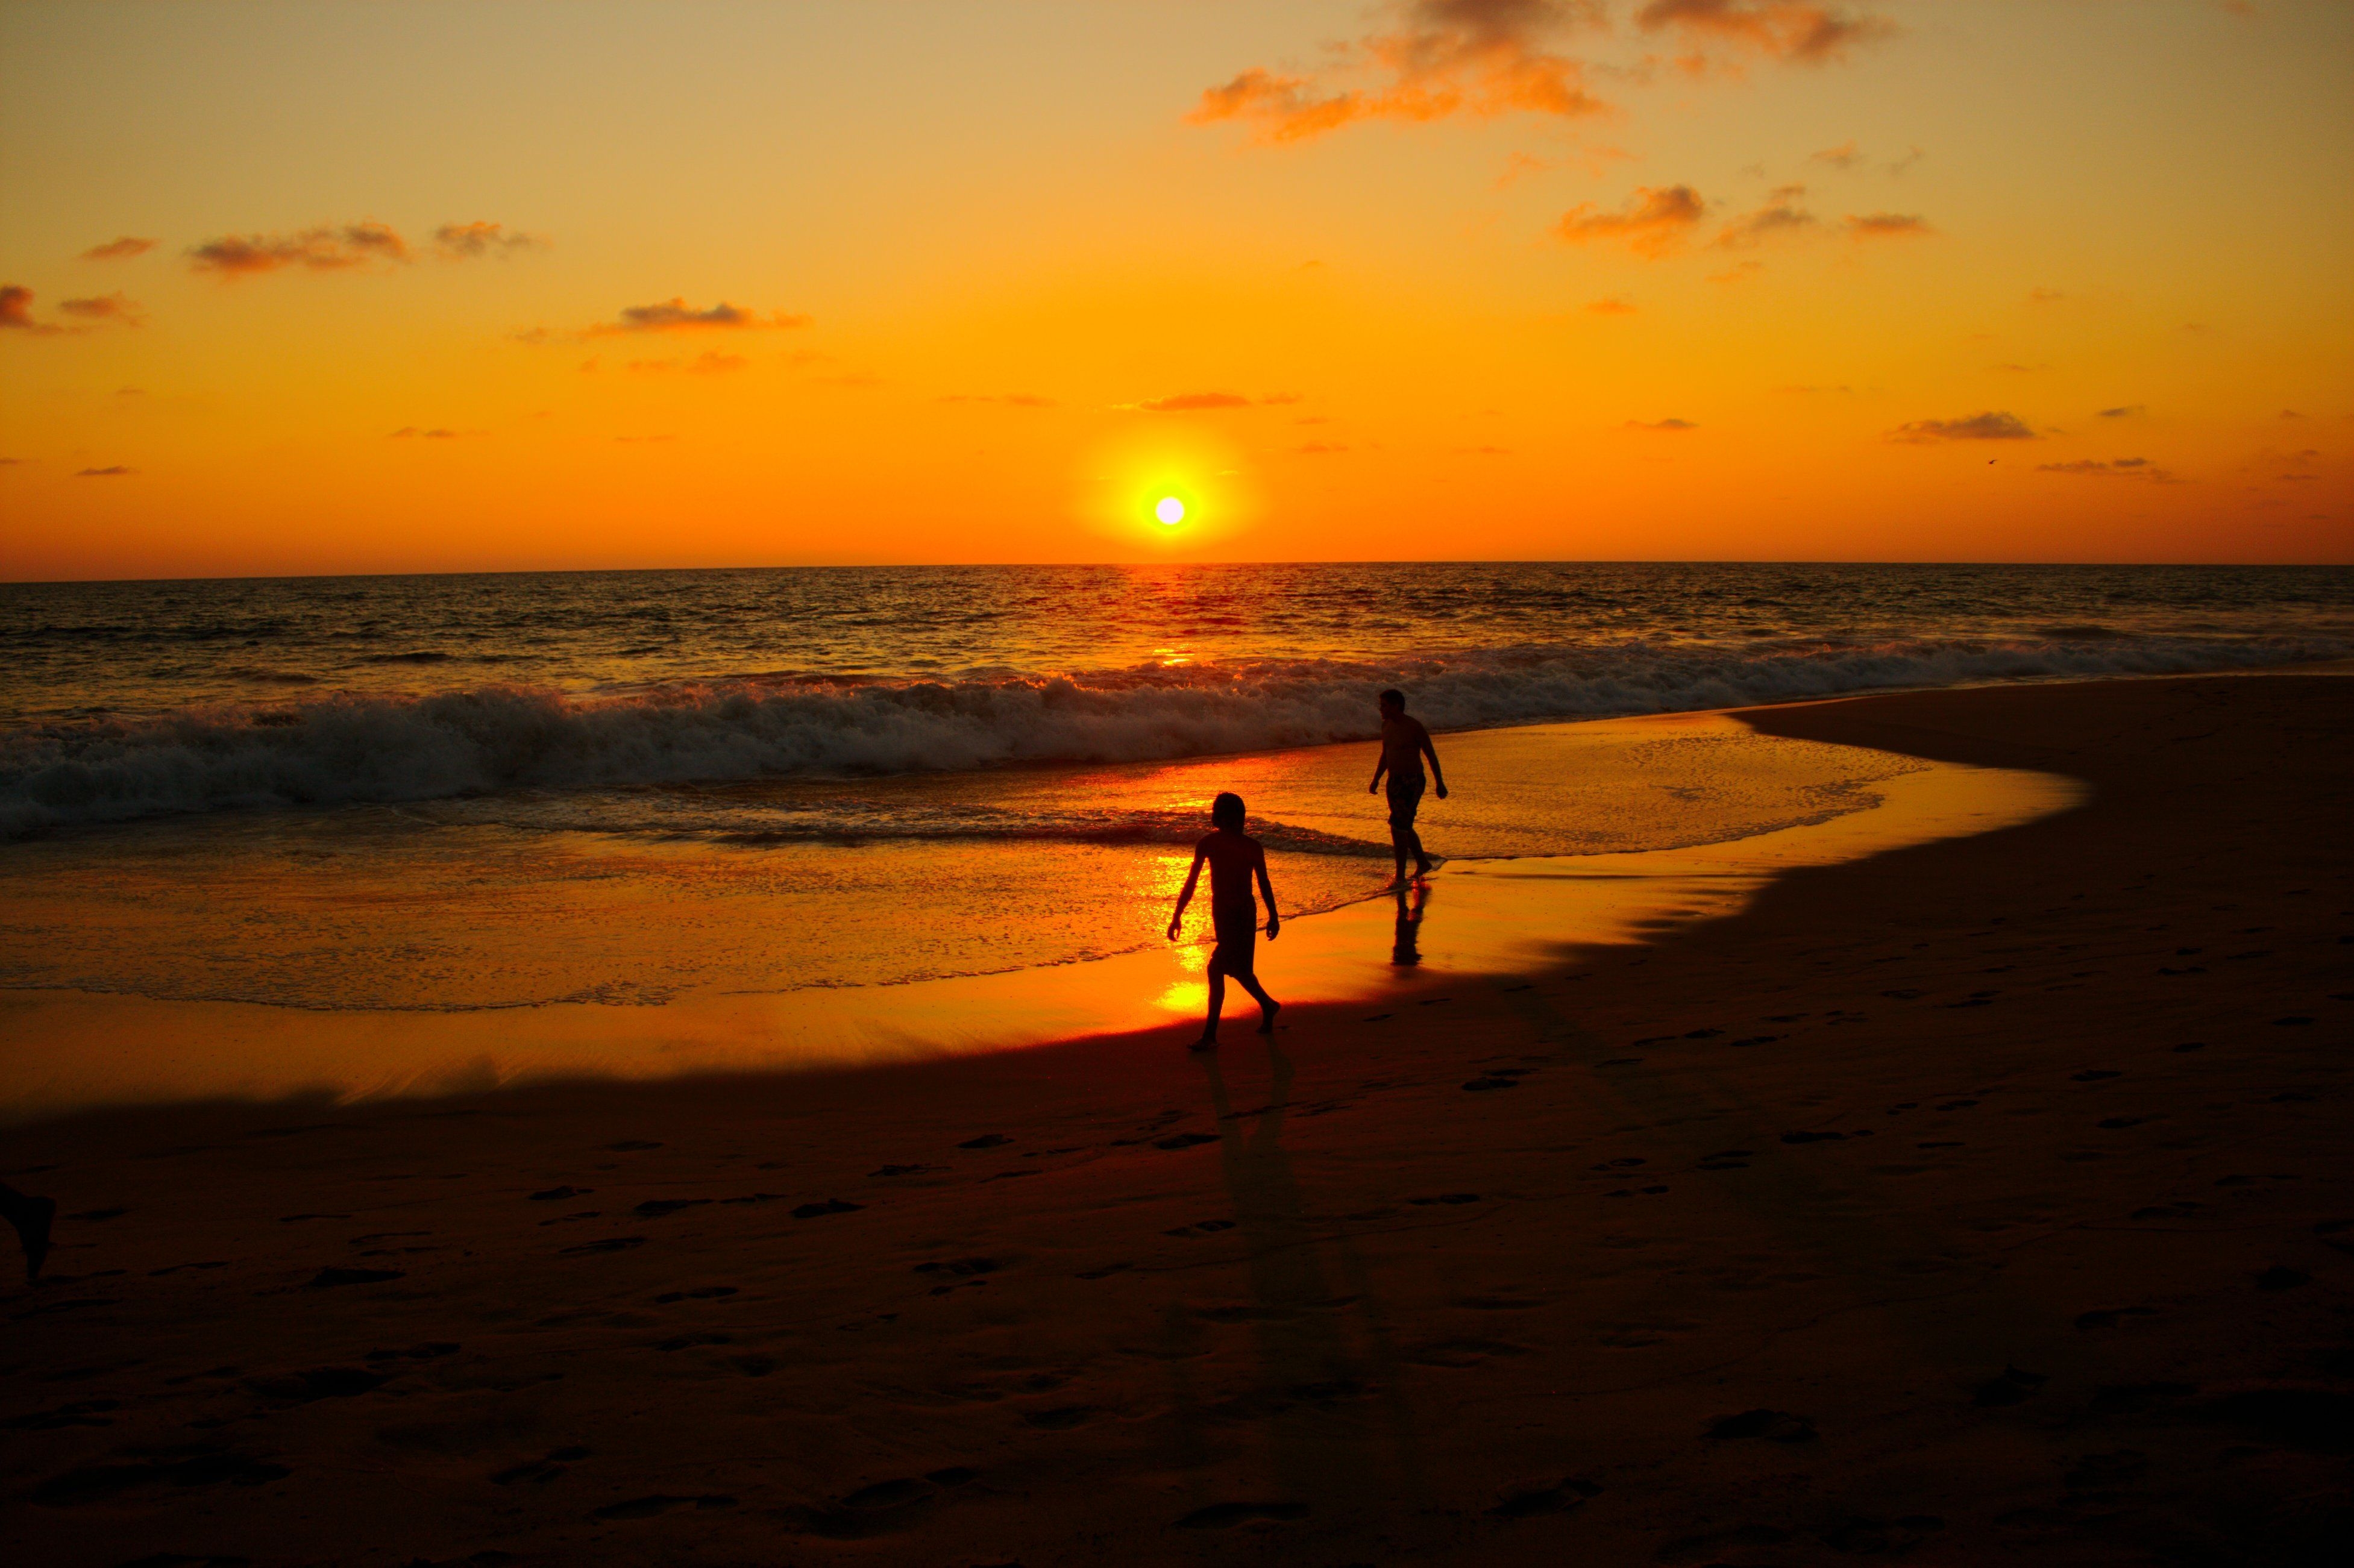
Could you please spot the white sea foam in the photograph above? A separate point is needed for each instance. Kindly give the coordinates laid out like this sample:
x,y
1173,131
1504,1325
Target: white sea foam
x,y
345,749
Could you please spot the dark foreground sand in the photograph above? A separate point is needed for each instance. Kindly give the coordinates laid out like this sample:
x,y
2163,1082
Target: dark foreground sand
x,y
1986,1200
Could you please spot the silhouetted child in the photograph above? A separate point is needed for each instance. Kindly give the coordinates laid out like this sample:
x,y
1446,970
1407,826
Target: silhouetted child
x,y
1405,743
1234,858
31,1216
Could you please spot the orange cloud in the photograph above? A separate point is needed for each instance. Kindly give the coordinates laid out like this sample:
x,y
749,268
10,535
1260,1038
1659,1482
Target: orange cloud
x,y
1987,426
121,249
323,250
706,364
1785,29
468,241
1478,58
1843,156
1666,427
1780,216
675,315
1196,402
1611,307
112,307
16,310
112,471
1653,221
2122,468
1888,226
1010,399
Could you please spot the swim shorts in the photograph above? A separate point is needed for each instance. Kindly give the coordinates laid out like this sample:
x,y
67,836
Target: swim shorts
x,y
1405,799
1237,934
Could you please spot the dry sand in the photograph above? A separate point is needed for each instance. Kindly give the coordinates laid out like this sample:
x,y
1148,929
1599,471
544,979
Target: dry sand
x,y
1984,1200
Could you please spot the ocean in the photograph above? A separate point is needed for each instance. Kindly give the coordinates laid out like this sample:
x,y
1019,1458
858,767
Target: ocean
x,y
601,791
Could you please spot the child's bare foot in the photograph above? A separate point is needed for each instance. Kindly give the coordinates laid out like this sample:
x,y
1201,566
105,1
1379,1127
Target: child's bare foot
x,y
1206,1043
1266,1016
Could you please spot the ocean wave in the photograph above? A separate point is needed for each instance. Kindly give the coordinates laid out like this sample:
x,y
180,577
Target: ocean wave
x,y
345,749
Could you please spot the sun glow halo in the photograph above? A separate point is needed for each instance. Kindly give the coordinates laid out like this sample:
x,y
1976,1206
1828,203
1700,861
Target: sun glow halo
x,y
1170,510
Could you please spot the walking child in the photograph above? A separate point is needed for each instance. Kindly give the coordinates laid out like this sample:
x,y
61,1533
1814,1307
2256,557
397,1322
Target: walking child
x,y
1405,743
1234,858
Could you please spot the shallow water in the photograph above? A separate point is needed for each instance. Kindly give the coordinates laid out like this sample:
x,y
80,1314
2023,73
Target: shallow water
x,y
391,978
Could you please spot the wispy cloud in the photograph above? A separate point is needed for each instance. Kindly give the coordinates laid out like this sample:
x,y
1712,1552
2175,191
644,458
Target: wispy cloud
x,y
1319,448
121,249
322,249
1653,221
2123,411
1665,427
1843,156
470,241
114,307
1888,226
2118,468
1010,400
708,363
113,470
1779,218
1611,307
1440,59
1987,426
436,434
1784,29
1200,402
676,315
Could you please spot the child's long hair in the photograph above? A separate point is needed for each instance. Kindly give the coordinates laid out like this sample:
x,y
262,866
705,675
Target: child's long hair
x,y
1226,811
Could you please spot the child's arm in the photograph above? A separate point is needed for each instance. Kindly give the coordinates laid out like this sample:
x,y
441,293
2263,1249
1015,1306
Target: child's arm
x,y
1380,767
1266,891
1437,777
1186,896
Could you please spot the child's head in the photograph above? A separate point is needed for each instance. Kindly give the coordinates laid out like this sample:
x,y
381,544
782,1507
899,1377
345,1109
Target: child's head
x,y
1226,811
1393,701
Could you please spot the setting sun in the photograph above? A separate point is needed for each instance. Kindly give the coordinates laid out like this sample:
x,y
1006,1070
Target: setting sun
x,y
1170,510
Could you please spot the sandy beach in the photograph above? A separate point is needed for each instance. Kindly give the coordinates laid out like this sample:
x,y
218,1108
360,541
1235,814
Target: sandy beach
x,y
1983,1200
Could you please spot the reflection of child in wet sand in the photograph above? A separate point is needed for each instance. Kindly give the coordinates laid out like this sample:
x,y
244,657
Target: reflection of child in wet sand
x,y
1234,858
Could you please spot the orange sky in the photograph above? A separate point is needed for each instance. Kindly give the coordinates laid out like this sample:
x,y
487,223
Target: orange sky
x,y
444,287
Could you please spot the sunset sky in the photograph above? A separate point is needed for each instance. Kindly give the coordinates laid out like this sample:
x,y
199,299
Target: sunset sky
x,y
393,287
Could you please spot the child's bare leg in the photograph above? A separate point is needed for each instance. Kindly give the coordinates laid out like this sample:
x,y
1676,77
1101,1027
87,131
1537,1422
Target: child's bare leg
x,y
1413,843
1267,1006
1217,1005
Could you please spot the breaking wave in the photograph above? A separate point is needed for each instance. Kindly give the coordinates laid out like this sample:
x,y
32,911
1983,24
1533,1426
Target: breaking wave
x,y
348,748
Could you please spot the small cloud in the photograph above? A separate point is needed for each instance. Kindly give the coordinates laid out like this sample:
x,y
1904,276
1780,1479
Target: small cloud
x,y
676,315
2009,367
115,307
1520,166
1652,222
436,434
707,363
2045,296
1611,307
322,249
1987,426
1906,162
2123,411
1888,226
1740,272
1667,426
1783,30
467,241
1843,156
16,312
1779,217
121,249
1191,403
2120,468
1009,399
2290,414
130,391
1318,448
115,470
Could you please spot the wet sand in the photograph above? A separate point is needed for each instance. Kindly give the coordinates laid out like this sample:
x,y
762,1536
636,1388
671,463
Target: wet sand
x,y
1986,1198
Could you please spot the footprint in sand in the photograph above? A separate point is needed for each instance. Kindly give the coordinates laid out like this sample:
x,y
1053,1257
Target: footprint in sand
x,y
1446,1198
1528,1502
655,1208
986,1140
327,1278
904,1170
2107,1318
830,1206
1459,1353
1768,1425
1186,1141
702,1293
631,1146
1227,1516
611,1244
557,1194
1482,1086
659,1503
2013,1387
